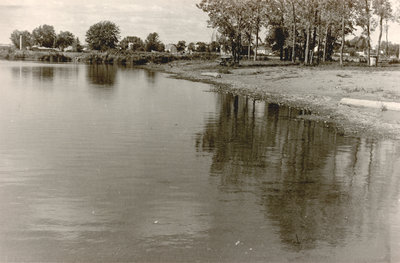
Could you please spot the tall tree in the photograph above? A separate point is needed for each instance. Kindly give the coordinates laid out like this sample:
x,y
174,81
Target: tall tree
x,y
293,6
26,38
346,9
103,35
191,47
228,16
364,19
132,43
276,25
76,45
201,47
330,18
64,39
181,45
254,13
44,36
383,9
214,46
153,43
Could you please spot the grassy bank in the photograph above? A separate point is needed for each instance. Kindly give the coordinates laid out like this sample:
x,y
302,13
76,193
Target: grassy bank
x,y
109,57
50,56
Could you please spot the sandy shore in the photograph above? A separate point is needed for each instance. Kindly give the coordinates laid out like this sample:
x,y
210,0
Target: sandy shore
x,y
318,89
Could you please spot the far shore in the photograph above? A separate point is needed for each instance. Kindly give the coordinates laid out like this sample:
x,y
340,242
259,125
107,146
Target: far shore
x,y
318,89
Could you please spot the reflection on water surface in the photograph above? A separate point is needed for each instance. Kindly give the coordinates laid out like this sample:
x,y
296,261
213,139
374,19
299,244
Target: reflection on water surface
x,y
103,163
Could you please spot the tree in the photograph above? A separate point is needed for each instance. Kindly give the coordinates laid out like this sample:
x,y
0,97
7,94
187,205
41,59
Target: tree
x,y
383,9
256,13
276,39
64,39
181,45
191,47
44,36
76,45
201,47
228,16
103,35
345,9
26,38
153,43
214,46
293,5
365,21
276,25
132,43
392,49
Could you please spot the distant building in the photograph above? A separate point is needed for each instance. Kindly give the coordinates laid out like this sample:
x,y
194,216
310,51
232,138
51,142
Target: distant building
x,y
5,45
69,48
263,50
171,48
39,48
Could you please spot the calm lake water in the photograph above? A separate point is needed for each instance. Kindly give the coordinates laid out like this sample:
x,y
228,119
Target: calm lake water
x,y
108,164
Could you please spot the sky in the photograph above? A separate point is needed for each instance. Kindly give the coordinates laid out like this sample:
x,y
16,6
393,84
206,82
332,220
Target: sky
x,y
173,20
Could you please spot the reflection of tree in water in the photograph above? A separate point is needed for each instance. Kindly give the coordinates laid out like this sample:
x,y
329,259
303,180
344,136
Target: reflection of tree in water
x,y
21,72
45,73
151,76
315,185
102,74
67,72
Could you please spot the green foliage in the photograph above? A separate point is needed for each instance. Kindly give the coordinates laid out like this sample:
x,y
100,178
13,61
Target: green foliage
x,y
103,35
64,39
26,38
153,43
132,43
44,36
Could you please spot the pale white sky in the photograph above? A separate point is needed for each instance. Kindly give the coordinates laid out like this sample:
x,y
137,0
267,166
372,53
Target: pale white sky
x,y
174,20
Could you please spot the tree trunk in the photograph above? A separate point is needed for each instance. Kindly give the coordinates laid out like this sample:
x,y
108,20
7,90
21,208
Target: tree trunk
x,y
387,41
342,44
314,35
307,51
294,34
379,40
325,42
239,52
249,48
367,11
319,40
255,50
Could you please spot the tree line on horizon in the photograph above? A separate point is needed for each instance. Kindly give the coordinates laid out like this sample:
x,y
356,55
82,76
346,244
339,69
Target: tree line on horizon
x,y
102,36
296,28
305,30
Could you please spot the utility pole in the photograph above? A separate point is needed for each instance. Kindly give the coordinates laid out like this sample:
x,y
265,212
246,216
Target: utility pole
x,y
20,42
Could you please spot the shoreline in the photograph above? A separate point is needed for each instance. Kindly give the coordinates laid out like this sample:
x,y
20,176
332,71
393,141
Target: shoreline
x,y
315,89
